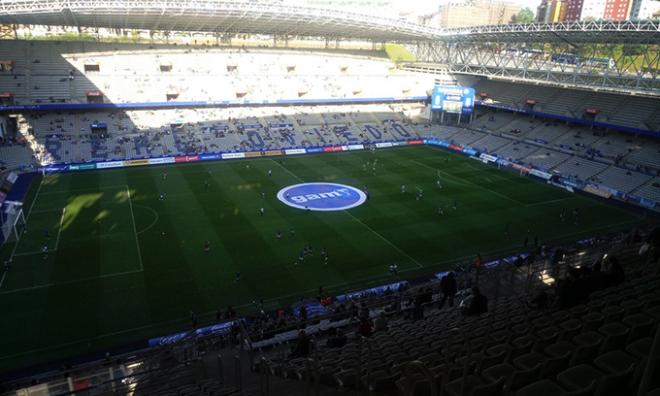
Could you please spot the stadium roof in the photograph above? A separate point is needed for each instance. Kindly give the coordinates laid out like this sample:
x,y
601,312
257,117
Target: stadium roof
x,y
608,32
272,18
238,16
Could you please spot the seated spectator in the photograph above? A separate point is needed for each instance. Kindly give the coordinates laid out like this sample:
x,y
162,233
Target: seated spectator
x,y
365,329
418,311
302,347
337,338
614,274
448,288
477,305
380,323
541,301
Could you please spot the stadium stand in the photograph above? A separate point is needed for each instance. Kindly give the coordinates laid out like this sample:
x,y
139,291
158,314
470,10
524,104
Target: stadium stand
x,y
511,347
545,159
70,72
650,190
622,179
580,168
563,319
634,112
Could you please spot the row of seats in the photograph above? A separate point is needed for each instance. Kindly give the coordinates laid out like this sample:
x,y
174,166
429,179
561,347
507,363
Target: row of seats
x,y
598,347
635,112
56,71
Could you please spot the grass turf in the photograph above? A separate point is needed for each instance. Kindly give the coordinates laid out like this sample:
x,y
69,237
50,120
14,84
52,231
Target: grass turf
x,y
124,265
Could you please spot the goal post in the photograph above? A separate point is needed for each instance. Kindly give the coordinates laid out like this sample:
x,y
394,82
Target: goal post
x,y
13,220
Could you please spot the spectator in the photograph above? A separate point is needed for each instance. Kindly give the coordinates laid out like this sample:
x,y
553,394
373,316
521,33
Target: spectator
x,y
541,301
478,303
364,311
418,311
365,329
302,345
303,313
337,338
448,289
380,323
231,313
614,274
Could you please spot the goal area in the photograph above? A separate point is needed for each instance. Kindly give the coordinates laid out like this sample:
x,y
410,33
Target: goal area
x,y
13,221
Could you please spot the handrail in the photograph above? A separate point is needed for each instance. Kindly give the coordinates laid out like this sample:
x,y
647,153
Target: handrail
x,y
247,341
264,377
651,364
312,377
367,342
238,372
221,374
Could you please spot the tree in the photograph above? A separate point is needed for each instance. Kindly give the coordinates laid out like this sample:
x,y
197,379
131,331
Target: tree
x,y
526,15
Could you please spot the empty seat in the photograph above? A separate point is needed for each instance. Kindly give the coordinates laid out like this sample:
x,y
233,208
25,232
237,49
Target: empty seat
x,y
640,325
583,375
615,334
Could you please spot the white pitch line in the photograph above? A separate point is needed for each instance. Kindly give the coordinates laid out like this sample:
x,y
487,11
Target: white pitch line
x,y
152,223
287,171
71,282
137,242
361,222
13,251
549,202
46,211
398,249
32,253
36,195
94,189
59,231
464,182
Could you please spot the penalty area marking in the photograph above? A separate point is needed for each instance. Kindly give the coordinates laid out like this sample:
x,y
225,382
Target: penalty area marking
x,y
57,238
135,233
153,223
27,217
466,182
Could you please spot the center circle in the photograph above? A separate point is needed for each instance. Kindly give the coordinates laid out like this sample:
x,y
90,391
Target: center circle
x,y
323,197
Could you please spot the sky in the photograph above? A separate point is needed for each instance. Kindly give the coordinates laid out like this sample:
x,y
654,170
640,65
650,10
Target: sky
x,y
431,4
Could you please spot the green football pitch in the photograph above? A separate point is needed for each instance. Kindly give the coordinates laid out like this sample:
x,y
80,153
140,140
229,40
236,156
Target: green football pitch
x,y
123,265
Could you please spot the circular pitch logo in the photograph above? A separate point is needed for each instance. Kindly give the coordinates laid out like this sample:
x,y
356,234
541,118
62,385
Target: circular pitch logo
x,y
322,197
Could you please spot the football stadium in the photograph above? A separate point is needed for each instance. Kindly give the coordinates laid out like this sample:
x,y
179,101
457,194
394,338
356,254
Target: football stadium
x,y
208,197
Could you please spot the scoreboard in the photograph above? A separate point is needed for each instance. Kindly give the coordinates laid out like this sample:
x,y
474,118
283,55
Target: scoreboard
x,y
451,99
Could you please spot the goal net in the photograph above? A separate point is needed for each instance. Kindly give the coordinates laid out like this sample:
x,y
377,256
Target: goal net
x,y
13,220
